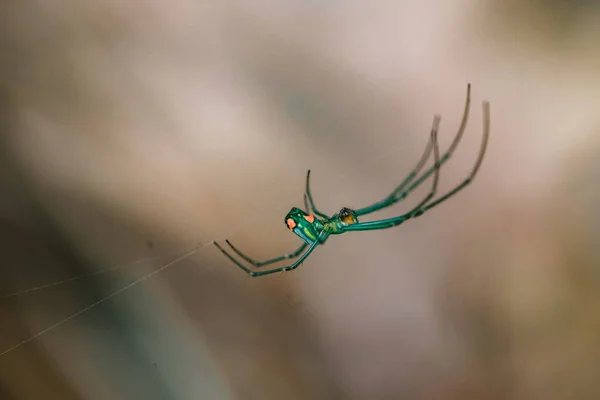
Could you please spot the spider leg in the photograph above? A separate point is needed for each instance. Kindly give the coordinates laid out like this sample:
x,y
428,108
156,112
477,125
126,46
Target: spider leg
x,y
289,268
401,191
486,135
322,237
308,195
423,207
258,264
236,262
393,197
306,207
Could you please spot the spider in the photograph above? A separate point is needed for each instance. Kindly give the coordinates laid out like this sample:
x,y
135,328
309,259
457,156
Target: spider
x,y
315,227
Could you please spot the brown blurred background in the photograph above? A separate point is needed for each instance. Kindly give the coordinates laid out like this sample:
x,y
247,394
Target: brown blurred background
x,y
134,131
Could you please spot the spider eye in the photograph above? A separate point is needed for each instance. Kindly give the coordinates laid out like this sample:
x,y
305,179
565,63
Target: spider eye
x,y
310,218
291,224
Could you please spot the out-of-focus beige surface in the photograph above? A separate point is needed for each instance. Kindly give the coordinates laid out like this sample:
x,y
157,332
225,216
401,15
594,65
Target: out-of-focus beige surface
x,y
134,131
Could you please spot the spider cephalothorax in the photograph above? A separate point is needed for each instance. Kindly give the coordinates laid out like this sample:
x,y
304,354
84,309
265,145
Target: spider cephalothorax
x,y
314,226
348,216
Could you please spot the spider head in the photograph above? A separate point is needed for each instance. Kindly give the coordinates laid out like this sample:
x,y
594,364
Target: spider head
x,y
306,226
347,216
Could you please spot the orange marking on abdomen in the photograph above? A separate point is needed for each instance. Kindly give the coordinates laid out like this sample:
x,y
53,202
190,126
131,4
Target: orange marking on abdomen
x,y
290,223
310,218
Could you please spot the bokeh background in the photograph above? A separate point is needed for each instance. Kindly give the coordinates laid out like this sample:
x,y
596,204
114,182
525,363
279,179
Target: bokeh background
x,y
134,131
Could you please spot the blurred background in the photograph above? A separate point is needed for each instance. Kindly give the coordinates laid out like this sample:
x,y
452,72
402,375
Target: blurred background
x,y
133,132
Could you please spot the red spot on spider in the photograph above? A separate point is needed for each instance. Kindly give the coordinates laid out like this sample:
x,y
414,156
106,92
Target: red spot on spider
x,y
290,223
310,218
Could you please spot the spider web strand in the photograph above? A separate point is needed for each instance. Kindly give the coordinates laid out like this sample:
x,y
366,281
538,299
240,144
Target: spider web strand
x,y
110,296
86,275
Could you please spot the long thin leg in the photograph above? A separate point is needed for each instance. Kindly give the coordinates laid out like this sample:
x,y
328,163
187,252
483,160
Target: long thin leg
x,y
401,191
393,197
306,207
436,166
295,265
259,264
486,135
291,267
310,199
417,211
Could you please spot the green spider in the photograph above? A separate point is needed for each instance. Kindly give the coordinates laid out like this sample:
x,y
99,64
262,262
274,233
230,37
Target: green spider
x,y
315,230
